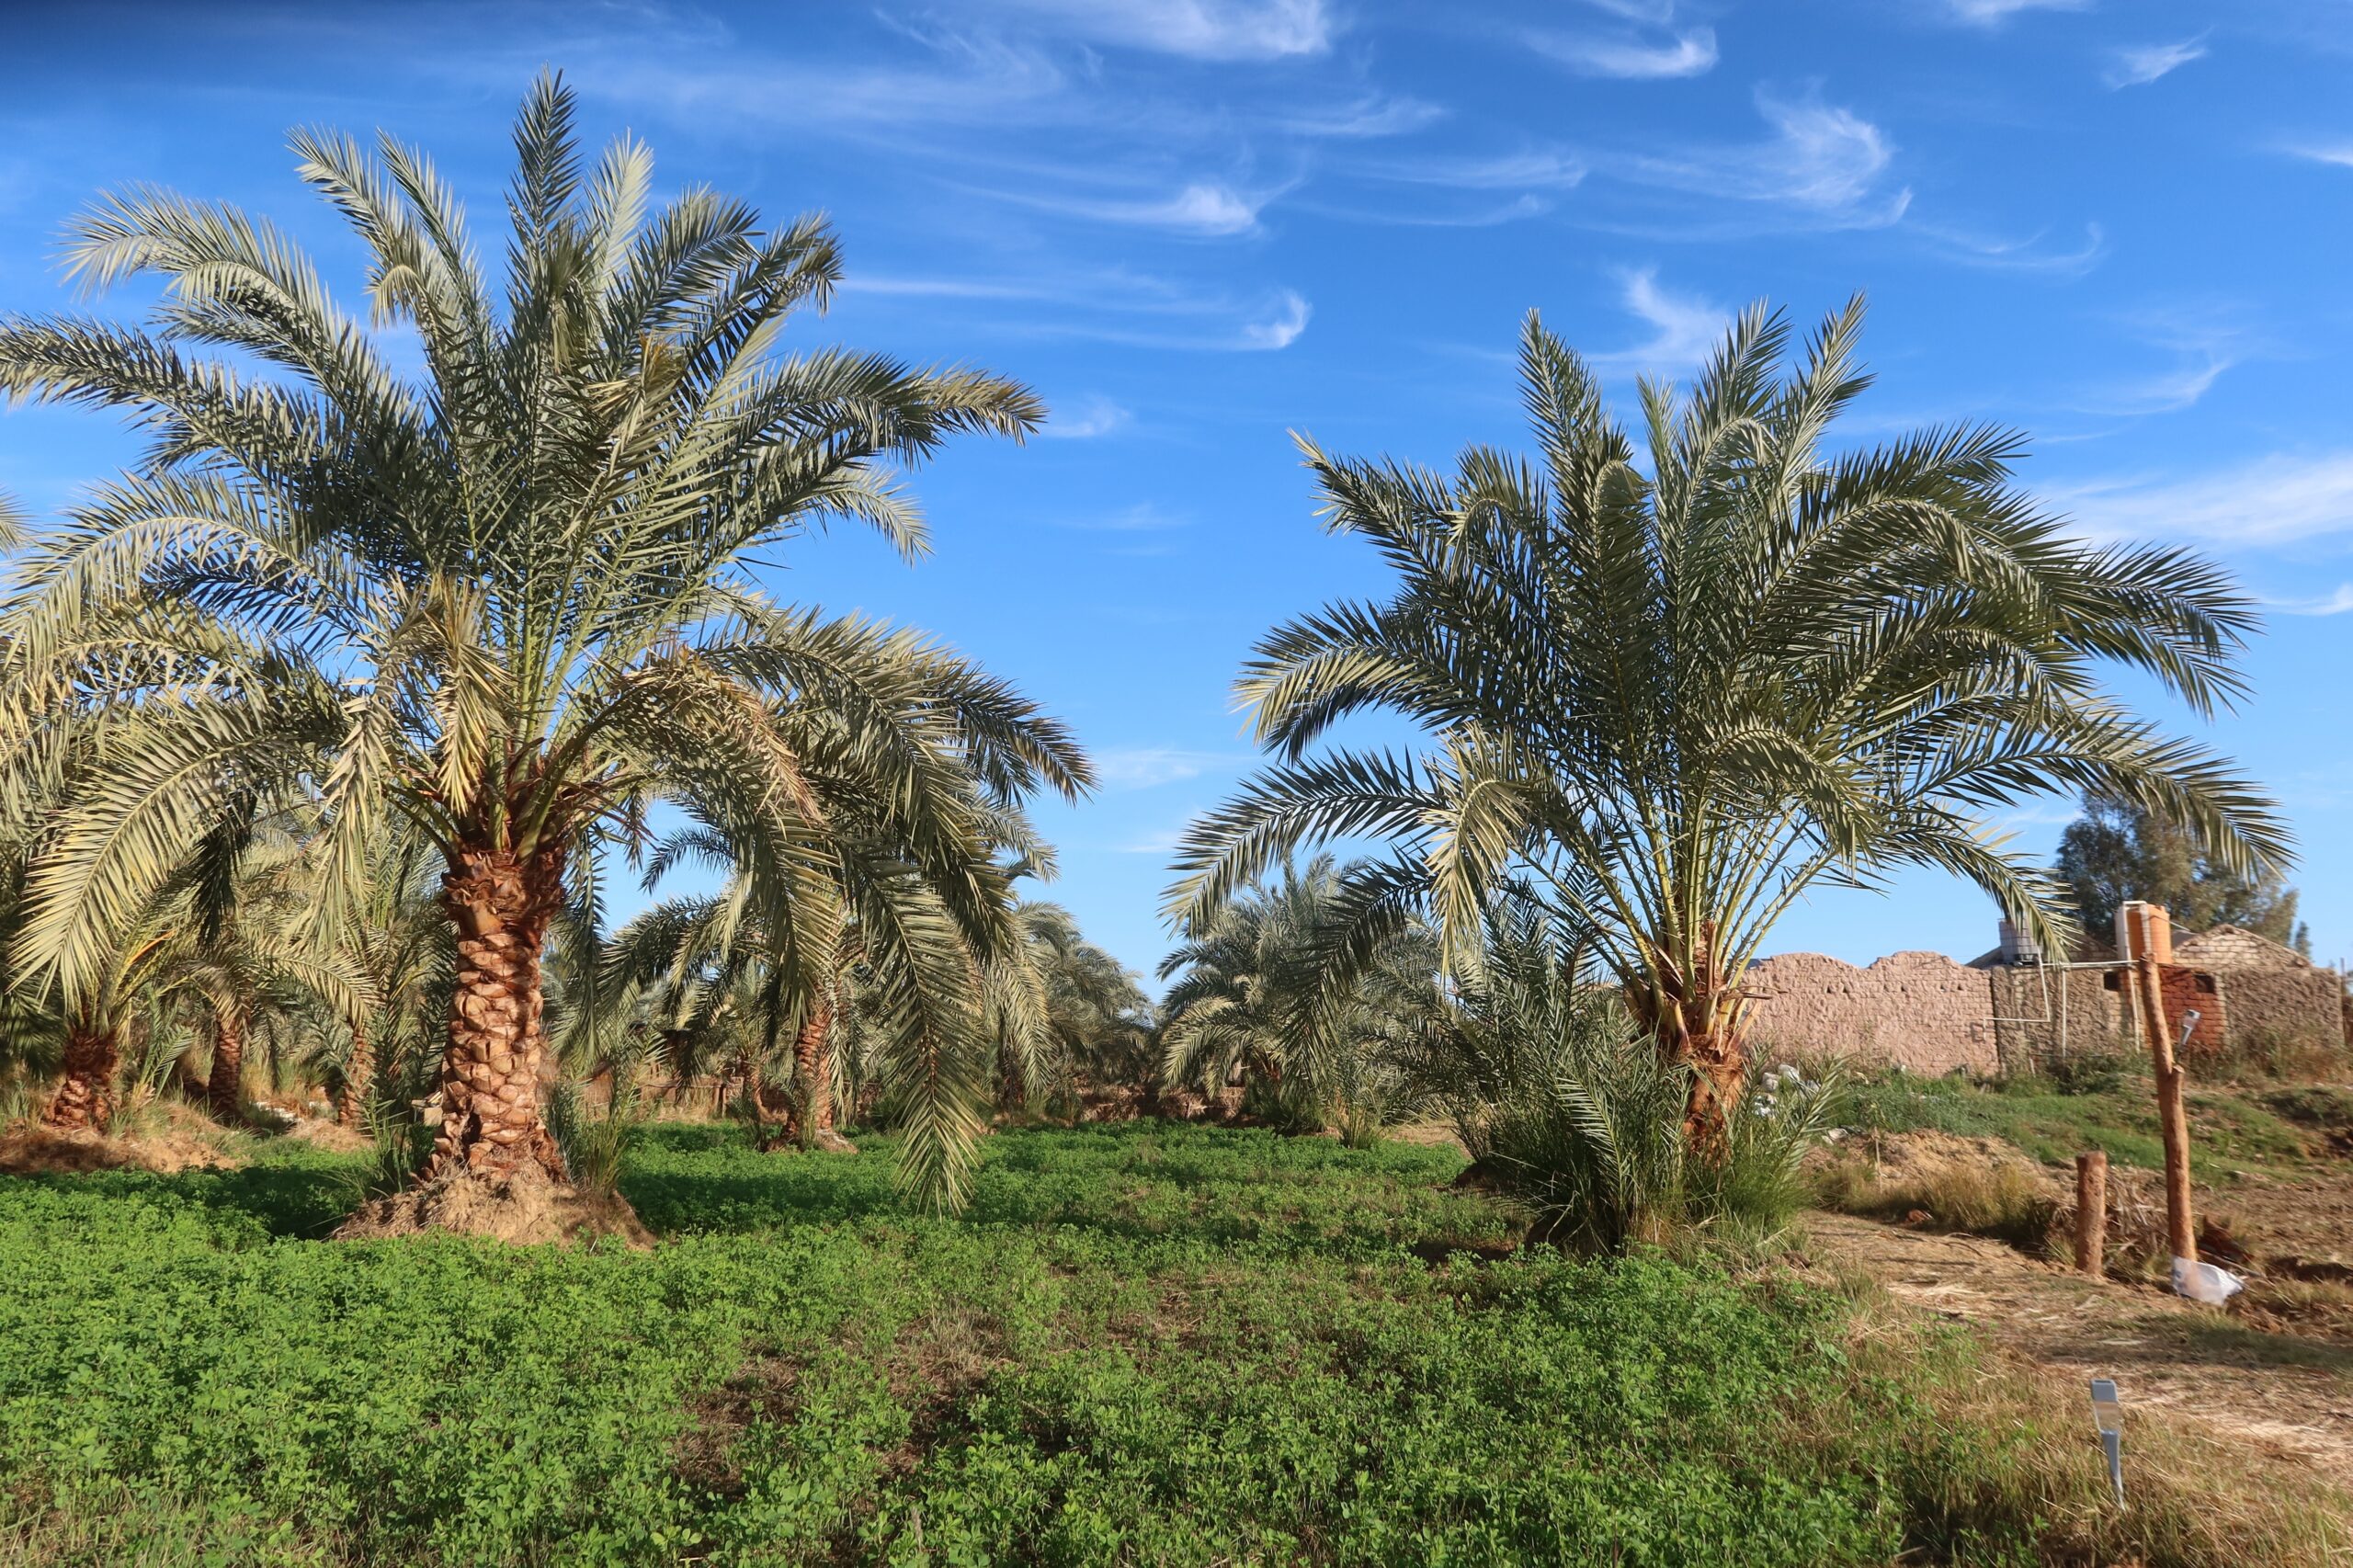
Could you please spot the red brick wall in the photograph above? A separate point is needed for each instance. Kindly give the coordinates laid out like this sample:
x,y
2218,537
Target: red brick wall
x,y
2185,988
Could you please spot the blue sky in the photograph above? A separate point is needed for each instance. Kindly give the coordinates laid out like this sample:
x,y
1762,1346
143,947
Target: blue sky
x,y
1195,225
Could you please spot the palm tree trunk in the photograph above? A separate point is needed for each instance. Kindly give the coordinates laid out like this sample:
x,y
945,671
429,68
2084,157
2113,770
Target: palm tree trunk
x,y
1719,1062
502,905
1695,1018
1012,1089
812,1063
358,1073
85,1096
224,1087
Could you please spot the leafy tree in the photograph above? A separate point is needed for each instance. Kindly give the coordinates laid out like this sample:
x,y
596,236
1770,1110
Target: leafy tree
x,y
2117,851
1676,689
511,604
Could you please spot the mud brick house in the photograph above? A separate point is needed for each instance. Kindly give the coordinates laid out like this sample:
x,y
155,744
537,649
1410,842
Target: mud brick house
x,y
2015,1006
2267,994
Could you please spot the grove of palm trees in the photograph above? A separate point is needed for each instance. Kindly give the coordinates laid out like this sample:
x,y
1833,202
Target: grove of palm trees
x,y
529,1035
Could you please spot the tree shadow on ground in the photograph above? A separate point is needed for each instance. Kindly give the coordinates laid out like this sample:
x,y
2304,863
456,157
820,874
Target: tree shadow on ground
x,y
305,1198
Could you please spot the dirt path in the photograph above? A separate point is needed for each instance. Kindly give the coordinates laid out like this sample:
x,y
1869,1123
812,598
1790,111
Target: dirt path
x,y
2288,1396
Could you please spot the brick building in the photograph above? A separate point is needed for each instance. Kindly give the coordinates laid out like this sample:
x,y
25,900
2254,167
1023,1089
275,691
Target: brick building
x,y
2015,1006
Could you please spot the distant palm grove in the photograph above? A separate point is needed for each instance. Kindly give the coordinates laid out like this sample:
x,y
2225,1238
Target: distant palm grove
x,y
410,753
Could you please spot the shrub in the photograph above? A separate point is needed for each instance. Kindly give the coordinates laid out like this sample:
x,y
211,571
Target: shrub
x,y
591,1144
2088,1070
2268,1052
1580,1117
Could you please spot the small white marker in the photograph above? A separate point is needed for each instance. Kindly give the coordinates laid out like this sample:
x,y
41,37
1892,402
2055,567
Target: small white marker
x,y
2108,1416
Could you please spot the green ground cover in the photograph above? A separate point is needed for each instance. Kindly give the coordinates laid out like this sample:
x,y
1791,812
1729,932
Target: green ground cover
x,y
2232,1128
1145,1344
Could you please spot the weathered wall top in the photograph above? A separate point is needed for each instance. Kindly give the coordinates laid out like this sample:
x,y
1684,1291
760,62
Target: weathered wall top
x,y
1919,1009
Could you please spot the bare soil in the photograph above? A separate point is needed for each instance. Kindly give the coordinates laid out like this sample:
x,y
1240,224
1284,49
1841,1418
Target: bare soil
x,y
2286,1394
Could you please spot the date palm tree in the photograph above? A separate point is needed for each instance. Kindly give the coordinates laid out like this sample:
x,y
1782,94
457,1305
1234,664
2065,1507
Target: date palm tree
x,y
511,601
768,1004
1253,997
1090,1019
1676,689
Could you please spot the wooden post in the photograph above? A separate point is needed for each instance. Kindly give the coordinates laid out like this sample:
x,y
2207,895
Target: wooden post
x,y
2091,1213
2147,941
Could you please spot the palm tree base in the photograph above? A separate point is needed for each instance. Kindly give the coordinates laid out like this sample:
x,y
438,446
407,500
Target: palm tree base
x,y
85,1099
785,1140
524,1205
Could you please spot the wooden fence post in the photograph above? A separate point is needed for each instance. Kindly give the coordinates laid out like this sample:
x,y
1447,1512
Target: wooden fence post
x,y
2091,1213
2146,942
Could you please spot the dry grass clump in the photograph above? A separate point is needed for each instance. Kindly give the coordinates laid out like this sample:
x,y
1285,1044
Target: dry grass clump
x,y
525,1206
2011,1452
151,1133
332,1136
2277,1055
1938,1179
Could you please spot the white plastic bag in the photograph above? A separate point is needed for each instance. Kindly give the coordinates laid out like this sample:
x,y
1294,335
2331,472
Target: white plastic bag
x,y
2204,1282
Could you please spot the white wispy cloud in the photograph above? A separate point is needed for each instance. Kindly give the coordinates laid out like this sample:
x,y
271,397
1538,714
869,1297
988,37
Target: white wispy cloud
x,y
2338,603
1205,208
2029,255
1822,160
1484,216
1142,767
2138,65
2272,500
1530,168
1141,518
1684,326
2338,153
2203,345
1993,12
1374,115
1282,328
1823,156
1090,417
977,80
1113,305
1200,29
2167,392
1162,841
1689,52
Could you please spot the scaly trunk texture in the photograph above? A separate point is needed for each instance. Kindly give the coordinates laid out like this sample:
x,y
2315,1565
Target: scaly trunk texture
x,y
1718,1064
1012,1090
358,1073
224,1088
813,1088
1695,1018
812,1069
85,1096
501,906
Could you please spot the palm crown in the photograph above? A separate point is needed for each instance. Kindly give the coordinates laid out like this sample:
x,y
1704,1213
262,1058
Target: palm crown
x,y
1678,690
512,602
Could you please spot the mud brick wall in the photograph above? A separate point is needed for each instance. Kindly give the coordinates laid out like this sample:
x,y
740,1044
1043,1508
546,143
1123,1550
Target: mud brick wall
x,y
2282,1003
2042,1014
1918,1010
